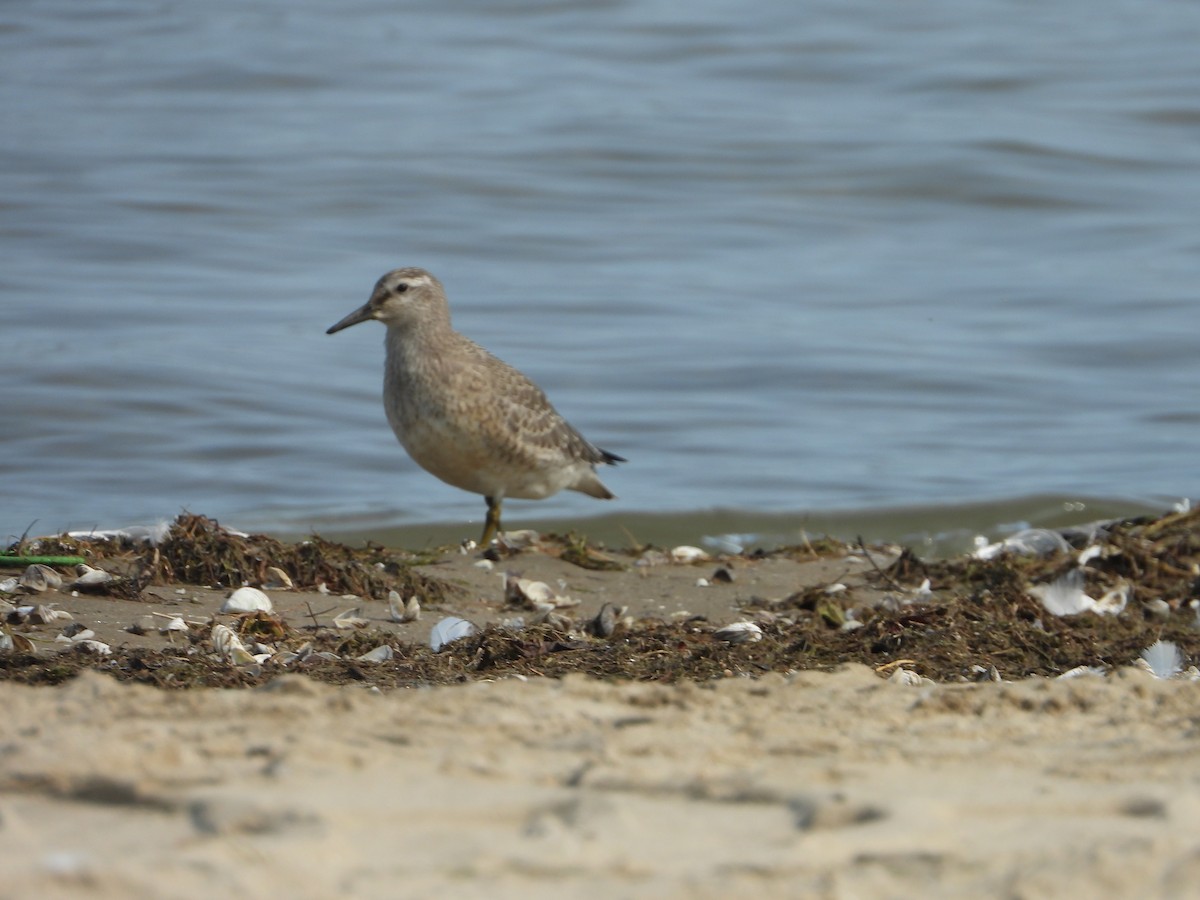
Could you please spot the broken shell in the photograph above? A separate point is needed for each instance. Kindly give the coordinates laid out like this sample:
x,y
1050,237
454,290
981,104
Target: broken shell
x,y
448,630
521,539
89,579
247,600
278,579
230,647
533,594
909,678
9,585
39,578
18,642
87,645
739,633
382,653
687,554
605,622
1162,659
175,623
44,615
351,618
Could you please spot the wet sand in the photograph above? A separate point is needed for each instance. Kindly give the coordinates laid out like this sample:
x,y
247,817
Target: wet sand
x,y
832,784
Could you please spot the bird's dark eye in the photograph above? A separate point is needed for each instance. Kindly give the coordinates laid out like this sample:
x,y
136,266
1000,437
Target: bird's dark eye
x,y
401,288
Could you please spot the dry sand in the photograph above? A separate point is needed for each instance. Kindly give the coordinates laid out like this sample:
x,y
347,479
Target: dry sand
x,y
824,785
838,785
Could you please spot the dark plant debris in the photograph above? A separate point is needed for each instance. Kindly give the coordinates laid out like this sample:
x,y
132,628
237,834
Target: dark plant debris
x,y
975,616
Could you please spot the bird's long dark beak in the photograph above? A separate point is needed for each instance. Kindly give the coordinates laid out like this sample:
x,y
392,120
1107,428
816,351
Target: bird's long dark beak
x,y
362,314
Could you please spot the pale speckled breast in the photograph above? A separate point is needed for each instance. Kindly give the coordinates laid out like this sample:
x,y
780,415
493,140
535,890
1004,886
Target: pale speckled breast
x,y
445,411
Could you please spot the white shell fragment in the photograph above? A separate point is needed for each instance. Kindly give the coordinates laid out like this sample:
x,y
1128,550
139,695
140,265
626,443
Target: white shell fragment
x,y
533,594
403,612
1030,542
99,648
45,614
739,633
448,630
89,579
1065,597
688,554
247,600
351,618
1162,659
230,647
909,678
174,624
38,578
1081,671
380,654
278,579
9,585
521,539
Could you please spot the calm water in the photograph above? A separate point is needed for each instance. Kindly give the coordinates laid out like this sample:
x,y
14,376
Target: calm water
x,y
795,261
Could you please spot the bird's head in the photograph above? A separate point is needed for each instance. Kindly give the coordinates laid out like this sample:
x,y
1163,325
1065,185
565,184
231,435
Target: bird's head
x,y
402,297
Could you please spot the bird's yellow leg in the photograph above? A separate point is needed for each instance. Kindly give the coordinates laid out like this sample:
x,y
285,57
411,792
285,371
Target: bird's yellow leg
x,y
491,525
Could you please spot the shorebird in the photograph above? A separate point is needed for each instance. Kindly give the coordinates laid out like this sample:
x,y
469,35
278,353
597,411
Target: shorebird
x,y
465,416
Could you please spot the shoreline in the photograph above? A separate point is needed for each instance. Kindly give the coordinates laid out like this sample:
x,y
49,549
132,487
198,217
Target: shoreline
x,y
660,759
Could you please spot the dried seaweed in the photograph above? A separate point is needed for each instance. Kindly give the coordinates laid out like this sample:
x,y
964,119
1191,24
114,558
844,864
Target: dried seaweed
x,y
199,551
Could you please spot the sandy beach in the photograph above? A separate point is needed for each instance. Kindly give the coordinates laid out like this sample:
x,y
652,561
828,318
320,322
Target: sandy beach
x,y
763,780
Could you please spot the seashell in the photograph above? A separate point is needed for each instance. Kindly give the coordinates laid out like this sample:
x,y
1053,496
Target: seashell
x,y
652,558
1080,670
278,580
605,622
702,582
382,653
9,585
1114,602
1158,608
247,600
401,611
522,539
44,615
739,633
486,564
448,630
323,588
89,579
230,647
17,642
548,615
174,624
1031,542
909,678
99,648
687,554
1162,659
533,594
1065,596
722,575
351,618
38,578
